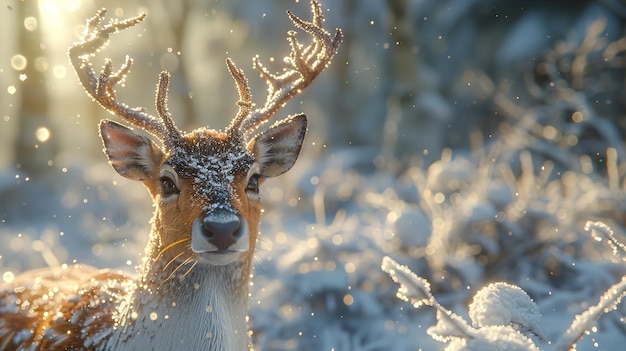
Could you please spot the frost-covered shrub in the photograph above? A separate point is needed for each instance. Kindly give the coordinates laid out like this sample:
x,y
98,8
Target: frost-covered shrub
x,y
506,220
503,316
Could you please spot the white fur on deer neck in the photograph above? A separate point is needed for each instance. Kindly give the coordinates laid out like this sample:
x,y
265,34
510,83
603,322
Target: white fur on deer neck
x,y
195,312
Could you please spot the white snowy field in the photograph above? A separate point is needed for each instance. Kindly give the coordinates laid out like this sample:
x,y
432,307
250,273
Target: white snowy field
x,y
318,282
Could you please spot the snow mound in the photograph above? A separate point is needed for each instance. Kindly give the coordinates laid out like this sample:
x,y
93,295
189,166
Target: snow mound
x,y
505,304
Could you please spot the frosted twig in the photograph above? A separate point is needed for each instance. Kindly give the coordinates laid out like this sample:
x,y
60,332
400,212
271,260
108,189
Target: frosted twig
x,y
584,321
412,288
417,290
600,231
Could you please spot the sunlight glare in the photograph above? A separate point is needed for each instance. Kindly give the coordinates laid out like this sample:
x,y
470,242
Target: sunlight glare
x,y
70,5
53,18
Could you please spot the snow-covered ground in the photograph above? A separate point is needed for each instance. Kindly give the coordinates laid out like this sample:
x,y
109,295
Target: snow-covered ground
x,y
318,282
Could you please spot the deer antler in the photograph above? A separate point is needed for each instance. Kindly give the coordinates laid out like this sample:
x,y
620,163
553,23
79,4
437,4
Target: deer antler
x,y
305,65
101,87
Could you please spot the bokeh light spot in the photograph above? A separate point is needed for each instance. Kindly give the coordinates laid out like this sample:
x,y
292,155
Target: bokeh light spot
x,y
42,134
348,300
59,71
31,23
8,277
19,62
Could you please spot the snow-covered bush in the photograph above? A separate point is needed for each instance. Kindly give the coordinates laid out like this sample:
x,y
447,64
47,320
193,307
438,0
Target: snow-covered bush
x,y
503,316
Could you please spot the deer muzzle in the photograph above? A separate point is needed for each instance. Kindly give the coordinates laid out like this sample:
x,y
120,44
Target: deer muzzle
x,y
220,236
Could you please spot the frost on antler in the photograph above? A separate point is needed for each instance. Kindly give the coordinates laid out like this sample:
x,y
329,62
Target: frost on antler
x,y
101,87
304,64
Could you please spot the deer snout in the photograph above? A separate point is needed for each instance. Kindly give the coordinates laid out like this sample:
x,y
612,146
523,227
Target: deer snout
x,y
220,236
222,229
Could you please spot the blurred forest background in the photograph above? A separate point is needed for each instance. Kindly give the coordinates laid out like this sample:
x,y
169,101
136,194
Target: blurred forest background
x,y
413,77
468,139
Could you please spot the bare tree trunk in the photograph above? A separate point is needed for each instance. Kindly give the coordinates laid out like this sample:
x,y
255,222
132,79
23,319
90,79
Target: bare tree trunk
x,y
36,146
400,127
412,128
346,130
403,60
177,23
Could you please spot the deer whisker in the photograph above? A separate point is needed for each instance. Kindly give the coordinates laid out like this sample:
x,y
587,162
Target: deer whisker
x,y
189,270
170,246
173,259
185,262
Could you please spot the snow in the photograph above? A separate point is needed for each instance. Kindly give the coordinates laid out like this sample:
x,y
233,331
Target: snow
x,y
498,312
503,315
212,163
316,284
508,234
505,304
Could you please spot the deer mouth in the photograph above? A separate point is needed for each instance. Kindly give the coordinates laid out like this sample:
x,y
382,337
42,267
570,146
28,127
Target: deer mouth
x,y
220,237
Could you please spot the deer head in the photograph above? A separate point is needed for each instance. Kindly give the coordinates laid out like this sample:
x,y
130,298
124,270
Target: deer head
x,y
205,183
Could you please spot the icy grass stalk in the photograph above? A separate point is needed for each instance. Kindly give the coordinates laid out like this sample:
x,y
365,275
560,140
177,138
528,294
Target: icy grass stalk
x,y
608,302
601,231
503,315
416,290
586,320
412,288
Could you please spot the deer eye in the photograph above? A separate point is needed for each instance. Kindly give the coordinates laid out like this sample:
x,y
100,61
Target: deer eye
x,y
253,184
168,187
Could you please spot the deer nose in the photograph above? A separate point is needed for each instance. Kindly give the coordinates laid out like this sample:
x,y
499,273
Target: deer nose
x,y
221,229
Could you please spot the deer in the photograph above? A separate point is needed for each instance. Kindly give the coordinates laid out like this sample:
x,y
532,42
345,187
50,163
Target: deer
x,y
191,289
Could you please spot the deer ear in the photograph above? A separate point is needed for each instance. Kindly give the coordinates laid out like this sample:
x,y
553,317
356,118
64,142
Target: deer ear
x,y
132,155
277,149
